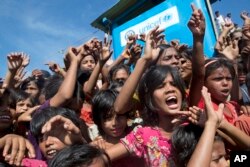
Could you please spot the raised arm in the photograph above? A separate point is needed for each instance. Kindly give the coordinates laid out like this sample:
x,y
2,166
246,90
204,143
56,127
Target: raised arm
x,y
203,151
104,55
14,63
241,139
67,87
197,26
150,53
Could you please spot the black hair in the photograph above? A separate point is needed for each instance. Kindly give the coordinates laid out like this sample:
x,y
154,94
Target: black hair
x,y
187,53
38,81
103,107
215,63
19,95
184,140
54,82
116,68
79,156
163,47
41,117
115,85
151,80
52,86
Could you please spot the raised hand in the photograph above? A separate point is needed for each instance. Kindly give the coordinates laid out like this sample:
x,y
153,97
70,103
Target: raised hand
x,y
131,41
212,115
245,17
14,148
66,129
227,27
246,31
26,116
53,67
197,116
14,61
151,51
19,77
26,59
74,54
197,23
228,48
105,51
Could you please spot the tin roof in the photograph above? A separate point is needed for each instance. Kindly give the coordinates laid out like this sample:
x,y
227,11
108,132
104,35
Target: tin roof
x,y
123,11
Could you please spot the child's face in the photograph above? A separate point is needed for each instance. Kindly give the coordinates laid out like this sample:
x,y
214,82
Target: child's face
x,y
88,63
169,57
54,141
219,84
186,68
121,74
167,97
218,155
32,89
114,126
50,145
23,106
5,118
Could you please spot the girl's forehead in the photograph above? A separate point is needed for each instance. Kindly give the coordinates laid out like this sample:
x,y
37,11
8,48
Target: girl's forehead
x,y
168,77
220,70
88,57
31,83
27,100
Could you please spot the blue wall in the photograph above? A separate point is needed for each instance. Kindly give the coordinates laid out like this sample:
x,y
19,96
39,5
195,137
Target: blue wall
x,y
172,14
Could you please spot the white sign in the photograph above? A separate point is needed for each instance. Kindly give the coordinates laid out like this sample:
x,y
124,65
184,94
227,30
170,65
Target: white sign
x,y
164,19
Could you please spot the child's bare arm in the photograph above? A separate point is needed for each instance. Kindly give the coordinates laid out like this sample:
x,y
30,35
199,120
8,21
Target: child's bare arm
x,y
203,150
127,91
67,87
117,151
14,63
196,25
105,54
242,139
64,129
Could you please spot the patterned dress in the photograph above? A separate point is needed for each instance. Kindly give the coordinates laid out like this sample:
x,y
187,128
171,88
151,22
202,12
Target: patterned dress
x,y
148,142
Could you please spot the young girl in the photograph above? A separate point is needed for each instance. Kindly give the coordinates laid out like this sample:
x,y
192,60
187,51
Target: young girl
x,y
33,86
194,146
112,126
162,92
55,128
23,105
216,74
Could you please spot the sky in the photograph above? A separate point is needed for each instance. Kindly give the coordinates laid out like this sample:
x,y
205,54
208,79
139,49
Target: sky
x,y
45,29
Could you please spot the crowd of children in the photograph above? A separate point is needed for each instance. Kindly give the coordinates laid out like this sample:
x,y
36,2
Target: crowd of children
x,y
176,108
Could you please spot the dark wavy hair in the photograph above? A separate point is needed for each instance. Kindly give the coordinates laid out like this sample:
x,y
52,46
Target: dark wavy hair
x,y
151,80
78,156
215,63
103,107
40,118
184,140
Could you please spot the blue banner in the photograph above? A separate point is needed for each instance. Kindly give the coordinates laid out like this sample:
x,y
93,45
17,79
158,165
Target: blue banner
x,y
173,16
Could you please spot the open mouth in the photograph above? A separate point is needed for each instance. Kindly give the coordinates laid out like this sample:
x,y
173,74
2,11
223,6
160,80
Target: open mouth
x,y
51,153
225,91
171,102
5,118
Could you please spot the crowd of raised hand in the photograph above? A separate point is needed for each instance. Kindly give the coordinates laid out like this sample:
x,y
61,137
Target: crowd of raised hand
x,y
161,104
